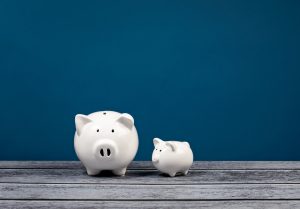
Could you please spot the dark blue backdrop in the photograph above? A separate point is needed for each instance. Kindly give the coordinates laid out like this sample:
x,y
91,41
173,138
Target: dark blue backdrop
x,y
223,75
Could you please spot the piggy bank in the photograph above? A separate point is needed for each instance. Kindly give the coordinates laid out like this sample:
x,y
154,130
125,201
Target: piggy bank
x,y
105,140
172,157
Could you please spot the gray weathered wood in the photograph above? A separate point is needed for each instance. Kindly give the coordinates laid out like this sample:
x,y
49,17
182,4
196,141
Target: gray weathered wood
x,y
210,184
149,176
150,192
143,165
150,204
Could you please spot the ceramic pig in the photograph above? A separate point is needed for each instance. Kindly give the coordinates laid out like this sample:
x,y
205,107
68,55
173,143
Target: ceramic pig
x,y
105,140
172,157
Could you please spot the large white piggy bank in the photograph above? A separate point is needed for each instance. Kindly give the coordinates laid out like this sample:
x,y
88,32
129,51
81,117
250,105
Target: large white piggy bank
x,y
105,140
172,157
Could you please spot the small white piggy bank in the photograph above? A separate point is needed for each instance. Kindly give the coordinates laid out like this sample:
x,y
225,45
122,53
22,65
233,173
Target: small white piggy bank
x,y
172,157
105,140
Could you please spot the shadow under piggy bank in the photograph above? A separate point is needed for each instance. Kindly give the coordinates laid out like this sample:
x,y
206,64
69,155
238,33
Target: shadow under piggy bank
x,y
179,174
104,173
136,174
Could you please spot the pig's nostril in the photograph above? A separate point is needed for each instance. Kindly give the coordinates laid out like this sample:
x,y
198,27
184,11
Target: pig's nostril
x,y
108,152
101,152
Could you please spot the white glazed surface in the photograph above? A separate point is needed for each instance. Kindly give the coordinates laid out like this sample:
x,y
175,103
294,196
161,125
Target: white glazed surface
x,y
110,131
172,157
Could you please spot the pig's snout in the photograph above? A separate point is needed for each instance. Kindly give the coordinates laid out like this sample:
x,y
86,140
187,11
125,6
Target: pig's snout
x,y
106,149
155,159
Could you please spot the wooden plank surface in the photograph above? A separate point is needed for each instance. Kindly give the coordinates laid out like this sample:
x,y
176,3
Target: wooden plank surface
x,y
212,184
149,192
149,177
281,204
145,165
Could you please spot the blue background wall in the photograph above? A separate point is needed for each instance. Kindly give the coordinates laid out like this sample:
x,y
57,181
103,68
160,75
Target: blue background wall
x,y
224,75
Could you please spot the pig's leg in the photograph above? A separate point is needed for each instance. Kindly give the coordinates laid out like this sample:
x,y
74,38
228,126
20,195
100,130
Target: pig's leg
x,y
185,172
172,174
92,172
120,172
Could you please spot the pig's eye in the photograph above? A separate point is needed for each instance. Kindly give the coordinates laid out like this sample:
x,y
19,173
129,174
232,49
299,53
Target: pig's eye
x,y
104,113
160,150
97,130
112,130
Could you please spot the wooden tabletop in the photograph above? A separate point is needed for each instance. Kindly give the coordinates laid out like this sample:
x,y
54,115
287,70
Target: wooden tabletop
x,y
214,184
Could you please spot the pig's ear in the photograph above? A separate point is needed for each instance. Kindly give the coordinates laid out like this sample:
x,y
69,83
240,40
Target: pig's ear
x,y
80,122
171,145
187,144
126,120
157,141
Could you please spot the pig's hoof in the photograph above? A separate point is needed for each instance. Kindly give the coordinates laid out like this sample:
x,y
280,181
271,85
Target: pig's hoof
x,y
185,172
92,172
172,174
120,172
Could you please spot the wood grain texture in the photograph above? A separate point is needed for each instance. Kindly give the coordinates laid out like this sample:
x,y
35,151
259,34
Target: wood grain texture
x,y
149,192
209,184
145,165
281,204
69,176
